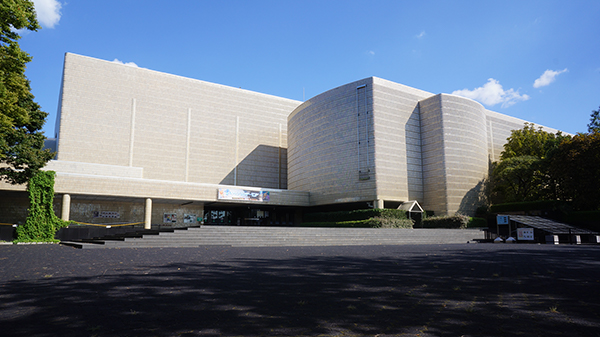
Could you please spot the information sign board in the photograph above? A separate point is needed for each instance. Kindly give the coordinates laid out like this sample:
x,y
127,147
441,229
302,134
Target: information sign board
x,y
502,219
525,234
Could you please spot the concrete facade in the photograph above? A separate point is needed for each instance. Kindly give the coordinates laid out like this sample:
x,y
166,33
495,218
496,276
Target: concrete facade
x,y
374,140
143,144
159,126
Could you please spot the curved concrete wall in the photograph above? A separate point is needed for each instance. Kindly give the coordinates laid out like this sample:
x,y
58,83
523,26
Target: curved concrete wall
x,y
412,145
455,153
324,154
397,141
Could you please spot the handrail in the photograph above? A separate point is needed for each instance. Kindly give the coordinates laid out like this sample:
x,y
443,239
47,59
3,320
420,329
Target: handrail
x,y
107,225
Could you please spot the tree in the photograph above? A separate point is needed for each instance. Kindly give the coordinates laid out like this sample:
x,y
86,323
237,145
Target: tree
x,y
523,171
594,126
530,141
21,120
576,165
519,178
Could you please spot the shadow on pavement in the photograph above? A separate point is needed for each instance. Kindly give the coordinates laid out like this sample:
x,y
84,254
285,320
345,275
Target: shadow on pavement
x,y
450,290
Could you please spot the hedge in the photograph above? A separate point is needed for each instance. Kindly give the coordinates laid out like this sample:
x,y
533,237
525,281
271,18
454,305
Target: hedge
x,y
527,206
457,221
388,222
477,222
364,218
341,224
360,214
376,222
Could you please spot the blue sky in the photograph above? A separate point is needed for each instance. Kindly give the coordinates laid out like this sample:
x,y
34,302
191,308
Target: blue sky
x,y
535,60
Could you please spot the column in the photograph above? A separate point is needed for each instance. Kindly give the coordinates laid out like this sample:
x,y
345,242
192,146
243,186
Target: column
x,y
66,207
237,148
148,214
378,203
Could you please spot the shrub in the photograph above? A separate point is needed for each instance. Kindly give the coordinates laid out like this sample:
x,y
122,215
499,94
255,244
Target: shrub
x,y
477,222
528,206
360,214
482,211
387,222
341,224
364,218
457,221
393,213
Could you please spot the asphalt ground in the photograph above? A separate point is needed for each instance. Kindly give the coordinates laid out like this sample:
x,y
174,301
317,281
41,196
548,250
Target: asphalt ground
x,y
408,290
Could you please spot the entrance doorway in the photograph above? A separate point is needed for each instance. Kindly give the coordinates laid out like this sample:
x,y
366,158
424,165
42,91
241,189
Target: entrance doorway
x,y
249,216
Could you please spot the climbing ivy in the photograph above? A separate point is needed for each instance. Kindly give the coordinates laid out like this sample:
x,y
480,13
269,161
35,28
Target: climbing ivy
x,y
41,224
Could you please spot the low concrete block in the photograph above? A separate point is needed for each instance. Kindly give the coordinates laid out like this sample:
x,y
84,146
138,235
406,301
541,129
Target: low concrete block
x,y
552,239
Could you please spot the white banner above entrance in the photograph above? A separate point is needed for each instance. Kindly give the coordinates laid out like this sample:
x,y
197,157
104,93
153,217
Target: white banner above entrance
x,y
238,194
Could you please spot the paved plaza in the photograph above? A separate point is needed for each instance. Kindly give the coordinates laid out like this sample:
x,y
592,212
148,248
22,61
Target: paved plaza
x,y
405,290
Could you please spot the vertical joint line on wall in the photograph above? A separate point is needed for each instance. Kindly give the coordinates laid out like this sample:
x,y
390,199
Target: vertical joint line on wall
x,y
421,150
358,129
132,132
358,122
237,140
280,161
367,129
187,146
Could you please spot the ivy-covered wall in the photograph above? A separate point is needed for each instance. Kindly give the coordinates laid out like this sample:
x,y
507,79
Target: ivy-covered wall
x,y
42,223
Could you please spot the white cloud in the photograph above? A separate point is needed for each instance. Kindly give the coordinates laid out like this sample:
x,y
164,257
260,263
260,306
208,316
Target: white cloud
x,y
548,77
492,93
371,52
420,35
131,64
48,12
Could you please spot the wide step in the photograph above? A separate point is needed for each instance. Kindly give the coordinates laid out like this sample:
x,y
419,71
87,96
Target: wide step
x,y
241,236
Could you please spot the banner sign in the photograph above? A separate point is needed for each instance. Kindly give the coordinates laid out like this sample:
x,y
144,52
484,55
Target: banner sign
x,y
248,195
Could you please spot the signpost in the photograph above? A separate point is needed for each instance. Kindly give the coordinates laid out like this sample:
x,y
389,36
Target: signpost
x,y
502,220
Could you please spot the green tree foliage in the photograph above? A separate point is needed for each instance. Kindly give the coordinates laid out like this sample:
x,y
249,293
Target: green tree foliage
x,y
537,165
576,166
41,224
519,178
594,126
523,171
531,141
21,141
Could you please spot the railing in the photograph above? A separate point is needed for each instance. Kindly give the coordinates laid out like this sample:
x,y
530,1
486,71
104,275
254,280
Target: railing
x,y
107,225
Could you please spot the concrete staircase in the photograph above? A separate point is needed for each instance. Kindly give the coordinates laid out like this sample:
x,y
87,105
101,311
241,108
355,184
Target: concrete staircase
x,y
240,236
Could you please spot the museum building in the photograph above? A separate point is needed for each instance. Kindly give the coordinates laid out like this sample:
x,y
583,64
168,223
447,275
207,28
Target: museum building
x,y
137,145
